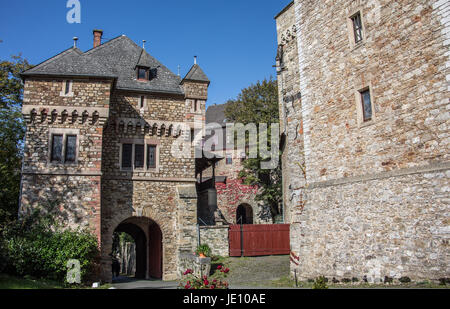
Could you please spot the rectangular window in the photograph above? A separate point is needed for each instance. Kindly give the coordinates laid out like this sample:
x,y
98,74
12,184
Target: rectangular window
x,y
357,27
57,143
71,148
67,87
229,160
127,152
151,156
366,105
138,156
141,101
142,73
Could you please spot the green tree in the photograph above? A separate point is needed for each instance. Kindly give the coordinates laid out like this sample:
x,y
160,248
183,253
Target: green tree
x,y
12,130
259,104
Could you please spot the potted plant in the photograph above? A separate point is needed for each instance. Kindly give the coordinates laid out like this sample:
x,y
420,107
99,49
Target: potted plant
x,y
203,251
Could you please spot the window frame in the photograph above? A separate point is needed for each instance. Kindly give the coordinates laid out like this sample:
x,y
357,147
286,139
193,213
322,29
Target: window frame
x,y
357,29
148,146
361,120
147,73
65,133
145,143
229,160
354,44
363,104
64,89
52,149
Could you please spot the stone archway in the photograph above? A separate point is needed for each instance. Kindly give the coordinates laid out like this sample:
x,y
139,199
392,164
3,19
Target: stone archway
x,y
244,214
140,241
148,239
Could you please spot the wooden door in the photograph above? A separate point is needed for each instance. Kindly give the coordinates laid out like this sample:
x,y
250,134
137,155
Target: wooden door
x,y
155,252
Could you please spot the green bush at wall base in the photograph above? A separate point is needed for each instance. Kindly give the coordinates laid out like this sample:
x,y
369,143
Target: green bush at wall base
x,y
42,252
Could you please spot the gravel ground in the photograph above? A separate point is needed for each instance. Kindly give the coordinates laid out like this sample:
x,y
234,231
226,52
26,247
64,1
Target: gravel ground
x,y
256,271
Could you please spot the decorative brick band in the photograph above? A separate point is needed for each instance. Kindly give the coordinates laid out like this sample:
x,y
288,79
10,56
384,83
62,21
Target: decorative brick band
x,y
436,167
61,173
137,178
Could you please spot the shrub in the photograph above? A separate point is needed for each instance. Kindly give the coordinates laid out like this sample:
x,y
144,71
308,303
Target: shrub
x,y
320,283
42,250
216,281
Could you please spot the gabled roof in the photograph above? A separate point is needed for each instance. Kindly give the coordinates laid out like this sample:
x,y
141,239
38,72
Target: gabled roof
x,y
144,59
196,74
116,58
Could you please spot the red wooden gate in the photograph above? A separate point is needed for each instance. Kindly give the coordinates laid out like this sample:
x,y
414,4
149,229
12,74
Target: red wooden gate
x,y
259,240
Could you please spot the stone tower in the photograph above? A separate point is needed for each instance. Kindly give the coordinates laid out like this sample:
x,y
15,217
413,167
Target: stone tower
x,y
364,99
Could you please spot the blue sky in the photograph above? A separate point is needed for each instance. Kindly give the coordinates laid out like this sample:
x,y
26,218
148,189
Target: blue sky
x,y
235,40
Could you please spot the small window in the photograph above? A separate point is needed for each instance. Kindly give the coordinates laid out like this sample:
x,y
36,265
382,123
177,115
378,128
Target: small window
x,y
71,148
138,156
141,101
192,135
142,73
67,86
229,160
357,27
57,143
366,105
127,150
151,156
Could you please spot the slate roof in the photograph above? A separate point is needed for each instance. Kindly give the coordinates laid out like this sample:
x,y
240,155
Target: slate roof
x,y
216,114
71,62
196,74
116,58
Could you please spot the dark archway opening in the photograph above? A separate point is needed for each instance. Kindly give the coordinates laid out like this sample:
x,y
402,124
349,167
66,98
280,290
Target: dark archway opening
x,y
244,214
140,245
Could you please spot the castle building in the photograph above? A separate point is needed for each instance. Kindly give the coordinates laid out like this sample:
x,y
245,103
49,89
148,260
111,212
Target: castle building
x,y
101,125
234,201
364,104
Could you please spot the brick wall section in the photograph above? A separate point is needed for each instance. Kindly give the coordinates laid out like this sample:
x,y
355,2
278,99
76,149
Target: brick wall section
x,y
74,189
216,237
374,203
86,92
196,90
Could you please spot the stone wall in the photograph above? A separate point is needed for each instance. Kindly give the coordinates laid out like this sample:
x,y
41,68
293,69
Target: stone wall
x,y
72,189
395,226
216,237
372,200
166,194
290,109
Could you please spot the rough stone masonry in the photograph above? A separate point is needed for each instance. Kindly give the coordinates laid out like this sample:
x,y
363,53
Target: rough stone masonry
x,y
365,115
100,127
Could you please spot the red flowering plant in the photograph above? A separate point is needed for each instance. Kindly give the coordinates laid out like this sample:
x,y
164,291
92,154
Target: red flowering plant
x,y
216,281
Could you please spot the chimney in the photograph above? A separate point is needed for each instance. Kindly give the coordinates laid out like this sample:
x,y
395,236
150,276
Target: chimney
x,y
97,37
